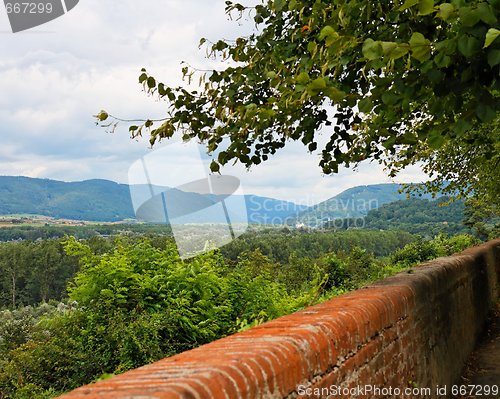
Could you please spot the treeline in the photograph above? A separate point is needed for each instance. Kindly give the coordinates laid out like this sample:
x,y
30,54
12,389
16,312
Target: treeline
x,y
280,244
27,232
428,218
420,216
32,272
134,301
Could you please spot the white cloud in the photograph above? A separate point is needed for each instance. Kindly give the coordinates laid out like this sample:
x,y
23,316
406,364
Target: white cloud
x,y
55,77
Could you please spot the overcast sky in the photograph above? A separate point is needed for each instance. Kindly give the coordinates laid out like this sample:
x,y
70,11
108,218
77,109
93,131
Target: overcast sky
x,y
55,77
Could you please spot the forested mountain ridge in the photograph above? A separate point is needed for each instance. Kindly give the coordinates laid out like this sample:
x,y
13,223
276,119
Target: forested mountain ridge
x,y
416,211
425,217
107,201
100,200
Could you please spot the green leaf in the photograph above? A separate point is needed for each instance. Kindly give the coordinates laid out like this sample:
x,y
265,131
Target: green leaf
x,y
161,89
302,78
468,16
425,7
448,47
271,75
372,50
390,98
493,57
292,5
435,140
318,84
407,4
394,50
151,82
389,143
220,45
335,94
486,13
435,75
299,88
491,35
329,35
214,166
102,116
445,11
468,45
223,157
485,113
387,47
420,47
461,126
365,105
442,60
326,32
312,47
315,86
143,77
279,5
400,51
408,138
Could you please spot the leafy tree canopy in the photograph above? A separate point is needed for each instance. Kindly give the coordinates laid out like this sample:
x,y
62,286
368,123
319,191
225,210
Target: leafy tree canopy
x,y
396,81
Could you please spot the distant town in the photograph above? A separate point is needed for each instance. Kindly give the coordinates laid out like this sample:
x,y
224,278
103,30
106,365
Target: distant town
x,y
41,220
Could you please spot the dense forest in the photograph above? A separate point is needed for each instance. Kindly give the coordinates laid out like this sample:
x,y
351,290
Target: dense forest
x,y
75,311
33,233
34,272
419,216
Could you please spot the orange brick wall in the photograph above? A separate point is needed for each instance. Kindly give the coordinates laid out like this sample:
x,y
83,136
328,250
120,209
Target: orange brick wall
x,y
413,329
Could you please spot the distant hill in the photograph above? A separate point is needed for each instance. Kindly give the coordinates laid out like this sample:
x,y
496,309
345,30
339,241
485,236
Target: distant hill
x,y
352,203
97,200
107,201
416,211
